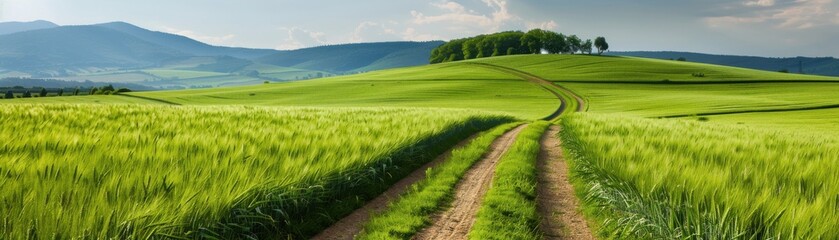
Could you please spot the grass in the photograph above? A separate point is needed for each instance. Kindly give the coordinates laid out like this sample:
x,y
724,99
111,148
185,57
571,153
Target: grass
x,y
412,211
508,211
655,100
820,122
446,86
455,85
132,171
570,68
671,179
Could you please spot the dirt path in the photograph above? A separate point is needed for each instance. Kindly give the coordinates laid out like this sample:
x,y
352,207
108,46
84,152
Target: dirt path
x,y
548,85
352,224
456,222
556,202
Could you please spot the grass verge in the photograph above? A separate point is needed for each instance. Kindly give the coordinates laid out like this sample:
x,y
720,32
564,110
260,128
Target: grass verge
x,y
508,210
412,211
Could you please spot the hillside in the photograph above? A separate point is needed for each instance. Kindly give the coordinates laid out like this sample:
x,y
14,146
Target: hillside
x,y
584,68
358,57
120,52
13,27
73,47
827,66
185,44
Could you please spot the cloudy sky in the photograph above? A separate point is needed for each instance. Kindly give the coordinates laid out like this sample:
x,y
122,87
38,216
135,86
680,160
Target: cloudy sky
x,y
745,27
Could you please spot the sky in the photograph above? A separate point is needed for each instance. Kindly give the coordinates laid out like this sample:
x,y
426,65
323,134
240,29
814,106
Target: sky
x,y
775,28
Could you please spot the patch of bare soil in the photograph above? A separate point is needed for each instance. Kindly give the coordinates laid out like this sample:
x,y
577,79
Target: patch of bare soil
x,y
456,222
556,202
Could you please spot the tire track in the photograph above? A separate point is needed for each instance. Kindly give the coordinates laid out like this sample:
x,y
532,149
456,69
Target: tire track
x,y
457,221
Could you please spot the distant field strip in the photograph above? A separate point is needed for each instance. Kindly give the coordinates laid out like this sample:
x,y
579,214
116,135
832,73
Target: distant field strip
x,y
145,171
673,179
659,100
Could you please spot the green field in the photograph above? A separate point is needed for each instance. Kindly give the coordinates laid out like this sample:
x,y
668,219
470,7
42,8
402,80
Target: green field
x,y
581,68
657,100
180,74
444,86
672,179
157,171
738,153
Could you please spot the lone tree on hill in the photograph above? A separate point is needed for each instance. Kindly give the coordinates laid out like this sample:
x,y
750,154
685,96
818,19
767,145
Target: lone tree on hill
x,y
601,45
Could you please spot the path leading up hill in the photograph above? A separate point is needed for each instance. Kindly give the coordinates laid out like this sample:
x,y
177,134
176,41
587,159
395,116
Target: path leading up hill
x,y
456,222
559,91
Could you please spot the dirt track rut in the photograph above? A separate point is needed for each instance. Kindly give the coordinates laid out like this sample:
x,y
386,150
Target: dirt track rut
x,y
456,221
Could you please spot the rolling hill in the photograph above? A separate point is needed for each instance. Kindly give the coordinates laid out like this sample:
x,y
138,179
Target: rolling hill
x,y
13,27
104,52
358,57
819,66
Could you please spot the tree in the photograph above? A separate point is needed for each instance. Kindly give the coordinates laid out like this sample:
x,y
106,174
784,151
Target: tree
x,y
93,91
60,91
43,92
574,44
586,47
532,41
9,95
27,94
601,45
553,42
76,92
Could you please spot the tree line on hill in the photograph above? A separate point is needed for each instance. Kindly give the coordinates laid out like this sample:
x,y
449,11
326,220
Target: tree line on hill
x,y
22,92
535,41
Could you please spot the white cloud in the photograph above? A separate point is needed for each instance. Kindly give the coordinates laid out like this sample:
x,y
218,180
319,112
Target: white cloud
x,y
410,34
760,3
365,30
214,40
549,25
456,14
299,38
806,14
801,14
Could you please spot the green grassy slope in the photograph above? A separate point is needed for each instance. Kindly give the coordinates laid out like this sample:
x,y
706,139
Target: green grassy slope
x,y
614,68
446,86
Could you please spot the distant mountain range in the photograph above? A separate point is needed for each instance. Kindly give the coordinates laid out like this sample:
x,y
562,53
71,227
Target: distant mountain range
x,y
42,49
827,66
122,52
13,27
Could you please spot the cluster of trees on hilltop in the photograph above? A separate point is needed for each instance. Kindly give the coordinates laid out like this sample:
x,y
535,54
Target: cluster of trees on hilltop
x,y
515,42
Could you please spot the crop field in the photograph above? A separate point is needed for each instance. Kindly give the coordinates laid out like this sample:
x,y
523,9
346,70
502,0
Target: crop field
x,y
670,179
734,154
657,100
131,171
181,74
818,122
